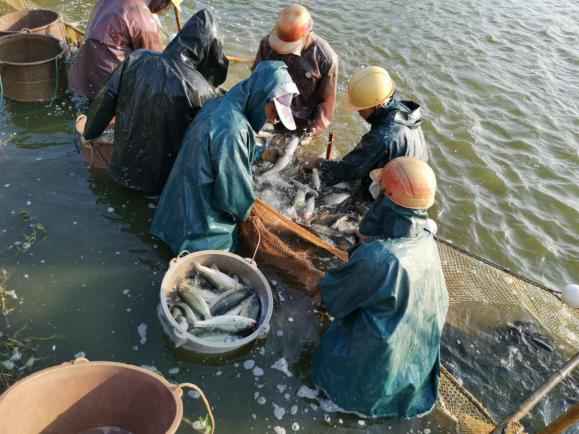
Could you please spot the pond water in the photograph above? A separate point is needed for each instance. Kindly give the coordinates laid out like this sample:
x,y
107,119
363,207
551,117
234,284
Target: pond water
x,y
498,84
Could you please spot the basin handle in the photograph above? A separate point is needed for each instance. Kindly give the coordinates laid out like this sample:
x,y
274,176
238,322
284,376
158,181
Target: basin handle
x,y
177,258
203,398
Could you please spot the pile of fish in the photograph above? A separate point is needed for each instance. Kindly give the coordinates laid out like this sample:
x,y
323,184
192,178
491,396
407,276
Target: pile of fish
x,y
329,212
214,306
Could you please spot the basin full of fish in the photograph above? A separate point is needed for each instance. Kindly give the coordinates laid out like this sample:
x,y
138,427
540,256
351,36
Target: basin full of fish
x,y
214,306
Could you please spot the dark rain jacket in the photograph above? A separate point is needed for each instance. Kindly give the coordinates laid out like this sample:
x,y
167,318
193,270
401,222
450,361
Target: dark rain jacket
x,y
210,189
155,96
115,29
380,357
395,132
315,72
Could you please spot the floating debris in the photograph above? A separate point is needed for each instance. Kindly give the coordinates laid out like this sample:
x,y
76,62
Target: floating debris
x,y
142,330
282,366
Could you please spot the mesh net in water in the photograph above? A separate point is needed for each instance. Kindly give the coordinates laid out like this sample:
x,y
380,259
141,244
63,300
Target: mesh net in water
x,y
300,257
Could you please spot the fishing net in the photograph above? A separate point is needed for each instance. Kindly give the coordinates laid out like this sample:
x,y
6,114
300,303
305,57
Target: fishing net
x,y
298,255
286,248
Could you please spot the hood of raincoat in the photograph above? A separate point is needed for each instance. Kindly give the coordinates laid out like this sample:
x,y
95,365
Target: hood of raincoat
x,y
269,80
408,113
200,45
210,189
387,220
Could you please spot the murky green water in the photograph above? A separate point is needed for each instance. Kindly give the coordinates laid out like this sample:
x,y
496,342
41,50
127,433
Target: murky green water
x,y
498,81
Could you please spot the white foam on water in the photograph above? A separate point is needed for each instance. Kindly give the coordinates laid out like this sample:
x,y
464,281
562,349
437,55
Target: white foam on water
x,y
193,394
278,430
261,400
362,422
282,365
8,364
327,418
257,371
174,371
281,388
294,410
306,392
249,364
278,412
295,426
142,330
150,368
328,406
79,355
16,354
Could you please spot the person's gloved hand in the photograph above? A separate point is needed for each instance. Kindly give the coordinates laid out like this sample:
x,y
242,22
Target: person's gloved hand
x,y
271,155
312,163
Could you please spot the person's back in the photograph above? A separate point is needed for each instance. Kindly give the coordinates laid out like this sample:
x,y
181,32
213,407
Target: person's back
x,y
395,131
155,96
381,355
210,189
116,28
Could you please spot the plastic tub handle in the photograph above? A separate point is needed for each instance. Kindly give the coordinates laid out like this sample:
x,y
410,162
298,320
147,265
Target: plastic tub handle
x,y
264,332
180,388
251,262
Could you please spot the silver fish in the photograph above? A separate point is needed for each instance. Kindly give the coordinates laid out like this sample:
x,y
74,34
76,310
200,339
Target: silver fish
x,y
195,300
182,322
304,187
216,277
234,323
228,300
175,311
220,337
310,208
285,159
251,307
189,314
343,186
299,201
324,230
344,226
316,180
208,295
336,198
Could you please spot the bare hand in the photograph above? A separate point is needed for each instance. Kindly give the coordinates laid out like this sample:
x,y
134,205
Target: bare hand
x,y
312,163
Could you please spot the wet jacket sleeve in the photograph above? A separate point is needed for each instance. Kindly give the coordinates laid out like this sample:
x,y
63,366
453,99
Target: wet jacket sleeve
x,y
233,187
104,107
357,164
327,88
367,280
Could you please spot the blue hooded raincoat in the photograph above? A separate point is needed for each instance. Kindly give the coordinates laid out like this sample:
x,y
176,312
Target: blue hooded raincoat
x,y
381,355
210,188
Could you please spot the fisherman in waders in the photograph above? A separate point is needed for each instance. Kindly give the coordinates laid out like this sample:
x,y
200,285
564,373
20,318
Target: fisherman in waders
x,y
380,357
395,130
312,64
210,189
115,29
154,97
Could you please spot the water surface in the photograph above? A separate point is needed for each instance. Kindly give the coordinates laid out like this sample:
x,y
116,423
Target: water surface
x,y
499,88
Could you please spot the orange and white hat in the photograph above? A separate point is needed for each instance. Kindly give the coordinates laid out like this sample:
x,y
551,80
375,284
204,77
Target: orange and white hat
x,y
293,25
